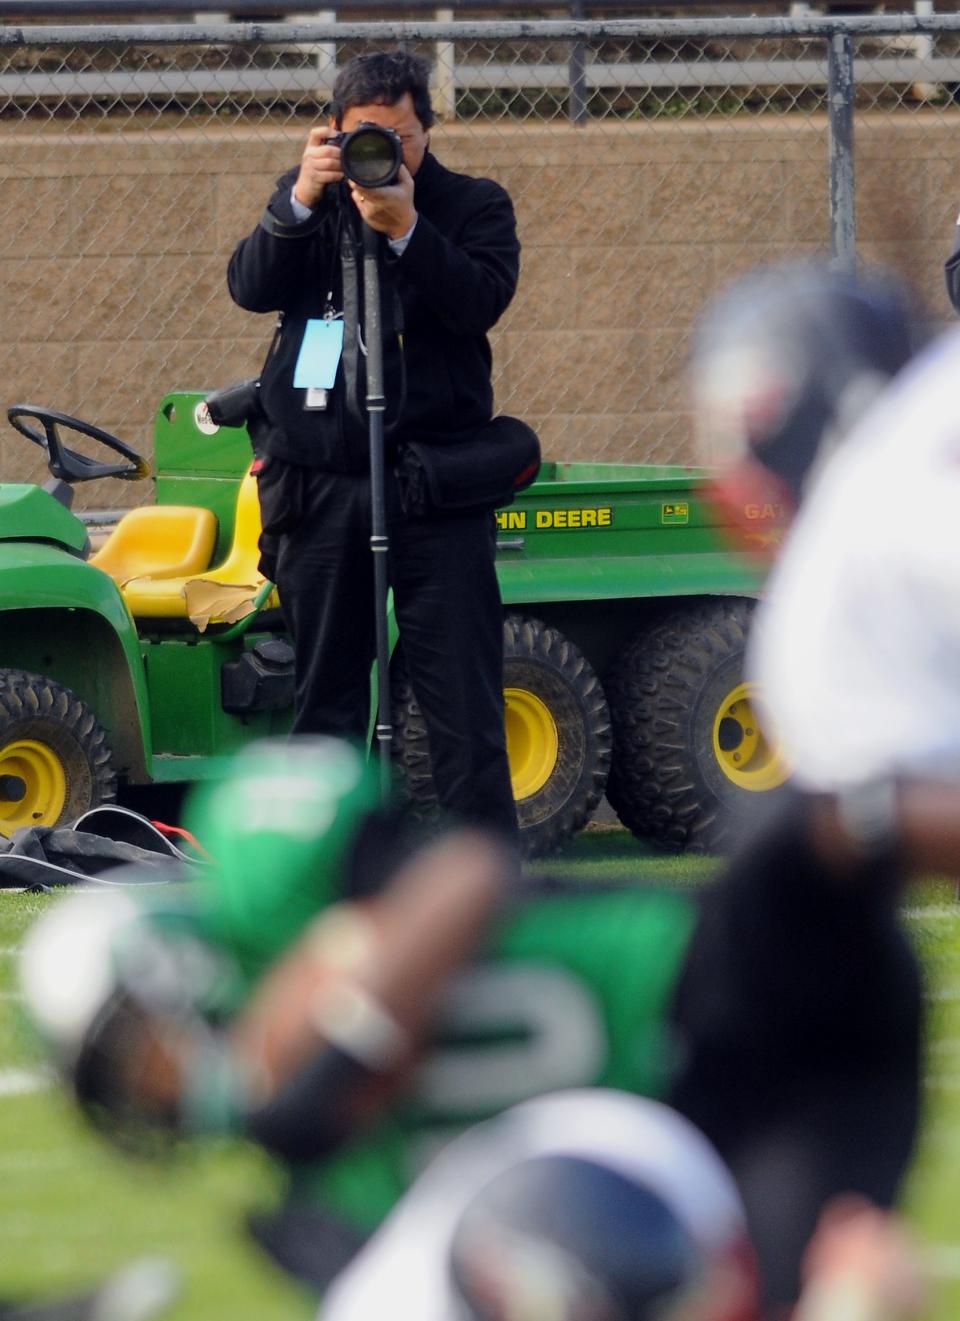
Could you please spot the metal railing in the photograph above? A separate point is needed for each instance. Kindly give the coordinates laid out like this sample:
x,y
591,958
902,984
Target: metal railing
x,y
238,10
648,159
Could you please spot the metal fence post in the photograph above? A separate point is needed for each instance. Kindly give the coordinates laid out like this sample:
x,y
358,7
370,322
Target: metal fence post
x,y
923,49
578,71
840,92
325,52
444,88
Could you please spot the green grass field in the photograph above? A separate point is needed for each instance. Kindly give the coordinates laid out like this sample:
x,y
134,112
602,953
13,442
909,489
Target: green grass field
x,y
71,1208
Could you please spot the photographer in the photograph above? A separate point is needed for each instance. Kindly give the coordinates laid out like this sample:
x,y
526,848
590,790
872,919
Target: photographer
x,y
449,267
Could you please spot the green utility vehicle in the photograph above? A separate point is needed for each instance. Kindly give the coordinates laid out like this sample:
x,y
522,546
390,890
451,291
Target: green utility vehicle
x,y
144,662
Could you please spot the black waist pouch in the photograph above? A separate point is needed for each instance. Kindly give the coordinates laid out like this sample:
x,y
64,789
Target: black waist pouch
x,y
239,405
232,405
478,469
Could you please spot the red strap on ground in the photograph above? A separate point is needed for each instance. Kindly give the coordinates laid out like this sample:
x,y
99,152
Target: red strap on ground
x,y
180,832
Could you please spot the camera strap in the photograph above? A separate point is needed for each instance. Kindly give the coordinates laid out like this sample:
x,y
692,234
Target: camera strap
x,y
273,343
351,322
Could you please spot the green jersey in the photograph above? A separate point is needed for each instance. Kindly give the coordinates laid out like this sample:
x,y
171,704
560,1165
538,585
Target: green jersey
x,y
572,991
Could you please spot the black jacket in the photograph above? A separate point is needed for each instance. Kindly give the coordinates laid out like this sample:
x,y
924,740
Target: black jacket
x,y
449,287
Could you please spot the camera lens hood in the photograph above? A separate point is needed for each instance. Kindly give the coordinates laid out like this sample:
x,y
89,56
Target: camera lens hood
x,y
371,155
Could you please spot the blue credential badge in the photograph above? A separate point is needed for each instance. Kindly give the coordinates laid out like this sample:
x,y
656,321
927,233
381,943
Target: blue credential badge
x,y
319,355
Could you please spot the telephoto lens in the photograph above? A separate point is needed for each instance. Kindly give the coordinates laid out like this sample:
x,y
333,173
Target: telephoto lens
x,y
370,155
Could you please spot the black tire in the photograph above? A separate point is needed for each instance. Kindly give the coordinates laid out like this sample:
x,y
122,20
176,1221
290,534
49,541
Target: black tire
x,y
550,687
687,751
55,761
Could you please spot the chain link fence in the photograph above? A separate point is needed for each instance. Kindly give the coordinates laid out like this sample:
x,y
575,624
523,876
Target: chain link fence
x,y
649,161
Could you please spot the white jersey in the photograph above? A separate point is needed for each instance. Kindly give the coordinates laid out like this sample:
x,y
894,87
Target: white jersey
x,y
404,1267
857,648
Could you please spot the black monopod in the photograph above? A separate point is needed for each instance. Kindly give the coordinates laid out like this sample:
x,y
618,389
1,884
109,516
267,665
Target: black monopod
x,y
379,541
371,156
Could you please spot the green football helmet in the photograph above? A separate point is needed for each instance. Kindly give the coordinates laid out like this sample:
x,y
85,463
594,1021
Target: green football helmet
x,y
278,825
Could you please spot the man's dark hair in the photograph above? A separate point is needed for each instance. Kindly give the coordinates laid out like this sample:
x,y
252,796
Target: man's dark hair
x,y
382,78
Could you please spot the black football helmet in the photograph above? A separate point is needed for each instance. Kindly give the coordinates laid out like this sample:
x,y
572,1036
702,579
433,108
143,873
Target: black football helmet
x,y
783,363
568,1239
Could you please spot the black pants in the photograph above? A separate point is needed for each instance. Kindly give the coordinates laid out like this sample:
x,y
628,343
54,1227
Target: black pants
x,y
799,1021
447,600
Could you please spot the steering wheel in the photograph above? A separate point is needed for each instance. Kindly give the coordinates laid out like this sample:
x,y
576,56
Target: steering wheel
x,y
67,464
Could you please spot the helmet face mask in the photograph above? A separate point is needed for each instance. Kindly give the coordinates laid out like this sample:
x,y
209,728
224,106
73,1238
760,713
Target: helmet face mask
x,y
739,397
512,1275
111,1085
787,359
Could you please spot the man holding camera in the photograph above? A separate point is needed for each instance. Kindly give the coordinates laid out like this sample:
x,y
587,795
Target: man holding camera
x,y
449,267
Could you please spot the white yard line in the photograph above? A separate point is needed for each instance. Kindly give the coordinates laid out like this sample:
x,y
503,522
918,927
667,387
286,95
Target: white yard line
x,y
21,1082
933,912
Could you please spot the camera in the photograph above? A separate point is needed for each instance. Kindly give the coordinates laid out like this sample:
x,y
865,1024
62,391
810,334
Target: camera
x,y
370,155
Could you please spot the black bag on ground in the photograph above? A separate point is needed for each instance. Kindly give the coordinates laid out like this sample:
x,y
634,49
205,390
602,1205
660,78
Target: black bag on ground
x,y
479,469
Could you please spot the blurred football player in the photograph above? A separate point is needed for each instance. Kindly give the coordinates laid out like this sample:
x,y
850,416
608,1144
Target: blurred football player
x,y
601,1206
782,364
579,1206
811,392
311,994
811,395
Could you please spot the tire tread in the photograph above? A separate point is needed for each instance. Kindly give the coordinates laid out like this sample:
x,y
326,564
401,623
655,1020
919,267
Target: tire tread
x,y
653,786
526,639
78,738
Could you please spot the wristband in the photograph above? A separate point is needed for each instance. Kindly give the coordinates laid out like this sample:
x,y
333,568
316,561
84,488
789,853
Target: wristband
x,y
350,1018
343,940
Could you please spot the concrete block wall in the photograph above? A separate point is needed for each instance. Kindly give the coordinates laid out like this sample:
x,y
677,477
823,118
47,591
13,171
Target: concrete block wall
x,y
113,249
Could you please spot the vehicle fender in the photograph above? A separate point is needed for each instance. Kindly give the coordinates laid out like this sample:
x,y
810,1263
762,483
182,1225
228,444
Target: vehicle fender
x,y
65,618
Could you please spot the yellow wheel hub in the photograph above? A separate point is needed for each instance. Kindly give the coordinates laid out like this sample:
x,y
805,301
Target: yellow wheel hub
x,y
741,750
532,741
33,785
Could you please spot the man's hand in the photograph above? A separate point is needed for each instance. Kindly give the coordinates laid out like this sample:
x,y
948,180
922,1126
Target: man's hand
x,y
319,165
388,210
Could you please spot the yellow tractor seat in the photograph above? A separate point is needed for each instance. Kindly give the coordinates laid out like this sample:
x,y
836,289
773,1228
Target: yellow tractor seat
x,y
218,596
158,541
